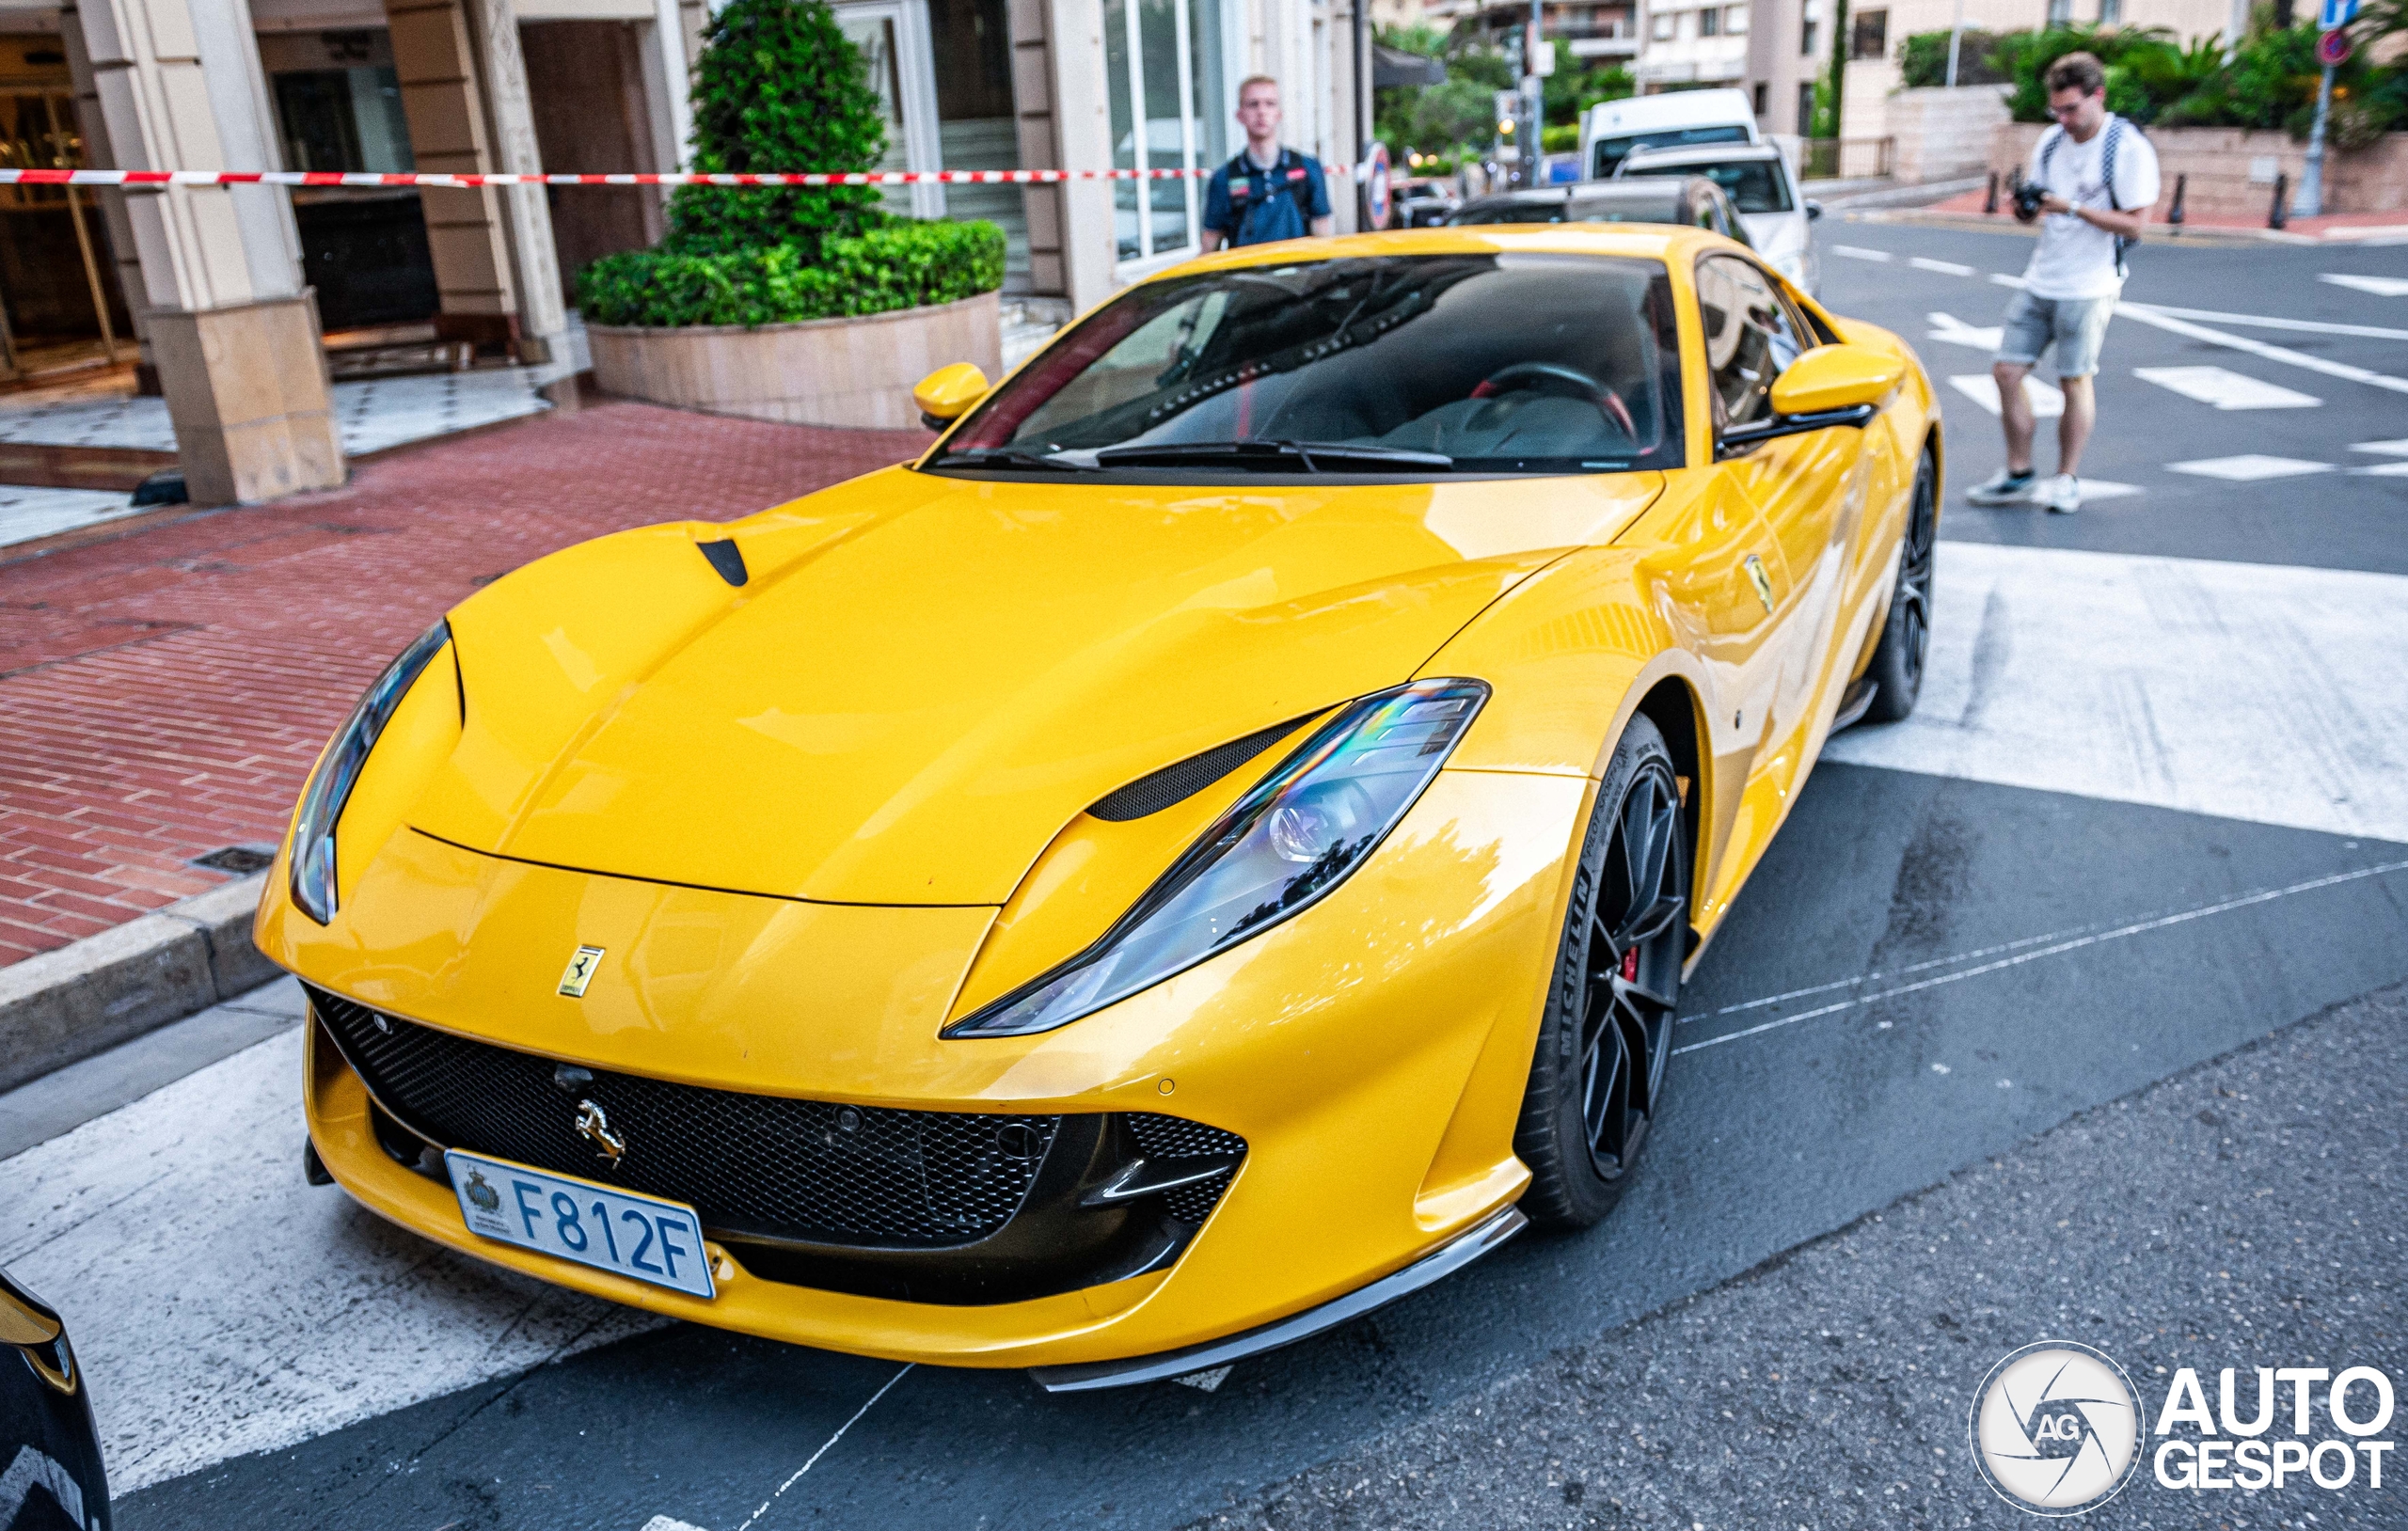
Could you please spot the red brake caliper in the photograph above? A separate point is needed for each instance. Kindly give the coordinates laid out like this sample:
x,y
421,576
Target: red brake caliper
x,y
1630,966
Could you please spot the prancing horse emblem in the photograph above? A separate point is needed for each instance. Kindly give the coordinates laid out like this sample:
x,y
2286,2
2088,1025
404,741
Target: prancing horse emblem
x,y
580,972
594,1127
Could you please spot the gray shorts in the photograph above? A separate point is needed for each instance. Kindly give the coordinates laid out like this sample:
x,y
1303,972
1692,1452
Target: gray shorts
x,y
2076,326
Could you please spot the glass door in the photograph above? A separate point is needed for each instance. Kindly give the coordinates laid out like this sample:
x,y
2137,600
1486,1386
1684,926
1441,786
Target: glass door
x,y
893,35
1164,76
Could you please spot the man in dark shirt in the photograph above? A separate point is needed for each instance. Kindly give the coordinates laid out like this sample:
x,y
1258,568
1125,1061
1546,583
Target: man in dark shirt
x,y
1266,193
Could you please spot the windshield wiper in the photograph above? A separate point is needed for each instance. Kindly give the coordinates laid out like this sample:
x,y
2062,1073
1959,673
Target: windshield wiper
x,y
1312,456
1010,457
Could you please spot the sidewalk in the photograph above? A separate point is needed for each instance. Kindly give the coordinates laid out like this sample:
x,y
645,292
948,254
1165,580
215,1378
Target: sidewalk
x,y
1965,211
163,691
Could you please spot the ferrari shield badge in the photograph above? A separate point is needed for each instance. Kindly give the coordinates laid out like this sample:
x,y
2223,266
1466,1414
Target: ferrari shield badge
x,y
580,972
1756,576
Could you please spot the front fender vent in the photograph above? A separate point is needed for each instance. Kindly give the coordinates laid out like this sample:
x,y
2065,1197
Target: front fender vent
x,y
1178,782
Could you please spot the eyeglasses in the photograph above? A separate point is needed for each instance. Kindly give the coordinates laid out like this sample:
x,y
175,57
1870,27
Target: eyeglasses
x,y
2074,110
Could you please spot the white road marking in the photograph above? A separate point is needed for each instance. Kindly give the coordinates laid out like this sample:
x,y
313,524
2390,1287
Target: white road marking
x,y
2259,348
2382,287
824,1445
223,1306
2225,389
666,1523
2390,449
2047,402
2382,470
2247,691
1955,331
1999,279
2139,928
1858,252
2099,489
2249,467
1946,268
2308,326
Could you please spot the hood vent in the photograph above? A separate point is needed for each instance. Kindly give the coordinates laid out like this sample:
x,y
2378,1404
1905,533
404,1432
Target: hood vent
x,y
1180,782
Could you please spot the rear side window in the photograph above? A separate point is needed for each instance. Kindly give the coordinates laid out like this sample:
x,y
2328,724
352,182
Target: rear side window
x,y
1752,185
1751,338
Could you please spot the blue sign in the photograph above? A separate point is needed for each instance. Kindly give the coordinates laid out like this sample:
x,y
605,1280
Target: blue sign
x,y
2336,13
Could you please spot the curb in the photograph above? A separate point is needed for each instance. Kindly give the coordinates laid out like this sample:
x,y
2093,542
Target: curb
x,y
2189,233
61,1008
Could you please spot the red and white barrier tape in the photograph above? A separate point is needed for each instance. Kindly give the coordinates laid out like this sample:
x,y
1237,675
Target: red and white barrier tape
x,y
467,183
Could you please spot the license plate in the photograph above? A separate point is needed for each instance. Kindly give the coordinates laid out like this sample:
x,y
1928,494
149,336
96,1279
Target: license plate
x,y
643,1238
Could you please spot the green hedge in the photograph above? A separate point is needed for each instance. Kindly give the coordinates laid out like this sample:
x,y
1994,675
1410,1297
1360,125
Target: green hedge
x,y
902,265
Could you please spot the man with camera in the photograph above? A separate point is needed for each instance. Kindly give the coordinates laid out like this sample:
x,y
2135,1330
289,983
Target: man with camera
x,y
2091,182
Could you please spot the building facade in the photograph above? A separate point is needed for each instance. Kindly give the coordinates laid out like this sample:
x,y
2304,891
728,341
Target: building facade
x,y
229,291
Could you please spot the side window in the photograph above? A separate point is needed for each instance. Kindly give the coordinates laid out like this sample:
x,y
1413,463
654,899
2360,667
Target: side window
x,y
1750,338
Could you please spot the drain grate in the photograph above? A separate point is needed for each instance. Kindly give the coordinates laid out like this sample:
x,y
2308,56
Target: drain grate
x,y
237,860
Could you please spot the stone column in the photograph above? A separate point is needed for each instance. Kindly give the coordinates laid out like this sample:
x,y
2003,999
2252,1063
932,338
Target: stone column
x,y
543,317
1081,136
235,336
464,233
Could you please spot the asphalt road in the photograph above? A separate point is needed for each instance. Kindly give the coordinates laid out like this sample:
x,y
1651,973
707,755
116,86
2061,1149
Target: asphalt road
x,y
1974,935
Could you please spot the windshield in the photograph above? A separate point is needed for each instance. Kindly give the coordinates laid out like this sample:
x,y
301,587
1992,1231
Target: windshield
x,y
1752,185
1502,363
1608,152
1639,208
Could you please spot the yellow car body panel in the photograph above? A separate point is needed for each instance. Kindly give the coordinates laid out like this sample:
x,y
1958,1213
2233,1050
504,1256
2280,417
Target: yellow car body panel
x,y
814,818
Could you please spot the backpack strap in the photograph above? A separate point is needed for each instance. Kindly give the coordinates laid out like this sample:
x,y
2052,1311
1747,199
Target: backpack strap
x,y
1300,183
2107,173
2049,141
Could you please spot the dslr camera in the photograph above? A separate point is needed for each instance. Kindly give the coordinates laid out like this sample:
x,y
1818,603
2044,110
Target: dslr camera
x,y
2027,200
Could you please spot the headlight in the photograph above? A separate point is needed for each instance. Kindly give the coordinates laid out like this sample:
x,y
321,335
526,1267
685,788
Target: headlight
x,y
1280,847
313,828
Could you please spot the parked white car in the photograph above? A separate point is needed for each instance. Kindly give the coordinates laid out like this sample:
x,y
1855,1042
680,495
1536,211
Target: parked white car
x,y
1677,120
1758,180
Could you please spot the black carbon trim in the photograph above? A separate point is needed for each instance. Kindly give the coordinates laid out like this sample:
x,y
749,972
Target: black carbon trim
x,y
727,558
1178,782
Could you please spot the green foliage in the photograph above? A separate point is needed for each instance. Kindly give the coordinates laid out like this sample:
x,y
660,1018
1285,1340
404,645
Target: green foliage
x,y
2269,81
779,87
1460,115
902,265
1923,59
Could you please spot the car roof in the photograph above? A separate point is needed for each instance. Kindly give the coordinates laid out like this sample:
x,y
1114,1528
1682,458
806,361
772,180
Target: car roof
x,y
1703,154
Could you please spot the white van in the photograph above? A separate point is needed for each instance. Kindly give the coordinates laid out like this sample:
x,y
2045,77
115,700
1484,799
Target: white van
x,y
1675,119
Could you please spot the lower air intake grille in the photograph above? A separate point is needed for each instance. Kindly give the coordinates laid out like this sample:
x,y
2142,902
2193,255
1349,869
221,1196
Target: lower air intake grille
x,y
763,1164
1173,1137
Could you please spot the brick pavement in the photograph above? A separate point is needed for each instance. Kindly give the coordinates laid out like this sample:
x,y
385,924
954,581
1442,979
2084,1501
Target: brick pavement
x,y
163,693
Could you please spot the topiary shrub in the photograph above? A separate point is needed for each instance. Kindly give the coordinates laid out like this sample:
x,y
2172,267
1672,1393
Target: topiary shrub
x,y
780,87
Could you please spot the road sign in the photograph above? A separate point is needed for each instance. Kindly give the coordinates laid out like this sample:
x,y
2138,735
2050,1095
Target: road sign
x,y
2336,13
1376,185
2333,47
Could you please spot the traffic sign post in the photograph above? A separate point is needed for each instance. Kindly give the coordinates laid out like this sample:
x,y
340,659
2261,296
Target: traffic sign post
x,y
2333,47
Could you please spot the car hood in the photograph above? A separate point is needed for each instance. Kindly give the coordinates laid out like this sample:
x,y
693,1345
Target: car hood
x,y
923,679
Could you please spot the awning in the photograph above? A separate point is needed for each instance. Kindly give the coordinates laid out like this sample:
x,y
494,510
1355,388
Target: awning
x,y
1394,65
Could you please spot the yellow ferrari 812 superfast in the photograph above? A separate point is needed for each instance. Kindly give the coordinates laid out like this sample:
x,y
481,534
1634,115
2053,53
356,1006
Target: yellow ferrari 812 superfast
x,y
1210,848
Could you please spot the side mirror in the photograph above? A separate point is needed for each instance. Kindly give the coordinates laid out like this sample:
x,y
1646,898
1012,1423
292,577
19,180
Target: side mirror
x,y
1837,378
1813,210
946,394
1829,385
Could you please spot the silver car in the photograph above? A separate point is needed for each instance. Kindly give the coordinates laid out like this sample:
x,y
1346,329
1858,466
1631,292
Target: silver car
x,y
1757,179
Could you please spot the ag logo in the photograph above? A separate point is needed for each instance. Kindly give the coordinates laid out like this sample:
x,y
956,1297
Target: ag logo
x,y
2057,1428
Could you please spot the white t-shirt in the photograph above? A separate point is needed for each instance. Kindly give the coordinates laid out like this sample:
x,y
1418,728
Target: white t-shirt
x,y
2074,259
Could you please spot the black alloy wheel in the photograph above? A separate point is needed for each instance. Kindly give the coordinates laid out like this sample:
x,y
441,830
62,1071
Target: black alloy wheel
x,y
1597,1073
1906,636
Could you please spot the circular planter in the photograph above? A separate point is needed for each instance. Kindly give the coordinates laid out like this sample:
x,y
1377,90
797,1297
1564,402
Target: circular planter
x,y
852,371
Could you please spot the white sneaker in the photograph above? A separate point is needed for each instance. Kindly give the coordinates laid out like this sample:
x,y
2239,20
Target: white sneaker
x,y
2061,493
2001,488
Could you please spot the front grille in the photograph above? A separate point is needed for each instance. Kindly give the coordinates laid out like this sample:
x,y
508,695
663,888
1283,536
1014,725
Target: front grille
x,y
1174,1137
804,1170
